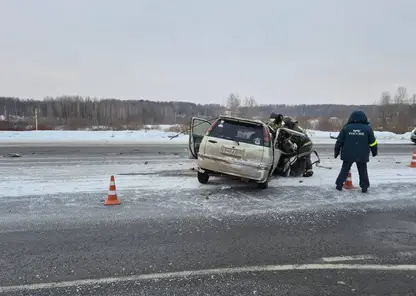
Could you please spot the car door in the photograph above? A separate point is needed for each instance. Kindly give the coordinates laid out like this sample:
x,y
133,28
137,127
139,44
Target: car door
x,y
198,129
277,153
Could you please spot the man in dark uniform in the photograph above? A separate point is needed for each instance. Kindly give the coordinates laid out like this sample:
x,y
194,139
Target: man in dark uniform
x,y
275,122
304,145
355,141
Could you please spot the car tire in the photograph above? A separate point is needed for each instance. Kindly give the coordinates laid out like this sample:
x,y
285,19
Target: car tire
x,y
203,177
263,185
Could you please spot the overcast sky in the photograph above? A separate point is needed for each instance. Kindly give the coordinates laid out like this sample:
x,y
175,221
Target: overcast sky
x,y
309,51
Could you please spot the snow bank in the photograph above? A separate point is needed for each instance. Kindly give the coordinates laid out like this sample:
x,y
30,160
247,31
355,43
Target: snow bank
x,y
381,136
144,136
164,127
149,137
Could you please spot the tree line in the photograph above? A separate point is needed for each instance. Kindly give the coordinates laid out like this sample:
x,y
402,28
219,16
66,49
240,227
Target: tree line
x,y
397,111
78,112
394,112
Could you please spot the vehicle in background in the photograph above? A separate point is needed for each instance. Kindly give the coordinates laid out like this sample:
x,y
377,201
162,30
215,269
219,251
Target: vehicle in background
x,y
235,147
413,136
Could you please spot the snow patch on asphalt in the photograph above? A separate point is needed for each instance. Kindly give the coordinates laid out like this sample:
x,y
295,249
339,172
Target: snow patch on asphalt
x,y
31,178
169,188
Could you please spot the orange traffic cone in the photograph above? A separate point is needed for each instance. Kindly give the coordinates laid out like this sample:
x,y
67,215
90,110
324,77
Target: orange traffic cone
x,y
413,161
112,198
348,182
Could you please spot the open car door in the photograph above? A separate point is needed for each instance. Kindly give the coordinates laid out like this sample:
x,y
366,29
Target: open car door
x,y
197,131
277,153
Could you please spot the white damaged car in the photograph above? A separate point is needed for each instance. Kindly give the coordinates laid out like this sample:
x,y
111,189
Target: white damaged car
x,y
233,146
238,147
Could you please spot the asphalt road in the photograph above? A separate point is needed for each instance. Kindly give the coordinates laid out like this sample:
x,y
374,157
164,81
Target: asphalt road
x,y
152,255
155,149
99,251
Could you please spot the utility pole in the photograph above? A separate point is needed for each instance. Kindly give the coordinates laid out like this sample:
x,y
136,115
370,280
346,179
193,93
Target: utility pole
x,y
36,118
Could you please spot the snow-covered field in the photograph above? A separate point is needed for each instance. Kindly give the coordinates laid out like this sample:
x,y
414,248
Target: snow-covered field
x,y
149,136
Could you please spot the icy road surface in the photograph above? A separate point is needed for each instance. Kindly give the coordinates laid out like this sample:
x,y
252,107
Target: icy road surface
x,y
72,183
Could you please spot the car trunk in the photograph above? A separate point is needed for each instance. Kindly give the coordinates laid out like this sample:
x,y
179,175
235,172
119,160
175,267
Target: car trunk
x,y
232,140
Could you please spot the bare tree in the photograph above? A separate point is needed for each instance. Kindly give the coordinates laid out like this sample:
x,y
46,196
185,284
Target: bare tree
x,y
385,98
234,104
401,96
413,100
250,102
249,108
384,112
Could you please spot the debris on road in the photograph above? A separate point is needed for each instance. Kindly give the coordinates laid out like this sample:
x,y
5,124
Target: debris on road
x,y
11,155
323,166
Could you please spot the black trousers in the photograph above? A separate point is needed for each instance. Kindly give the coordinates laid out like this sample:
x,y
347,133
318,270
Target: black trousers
x,y
362,172
306,158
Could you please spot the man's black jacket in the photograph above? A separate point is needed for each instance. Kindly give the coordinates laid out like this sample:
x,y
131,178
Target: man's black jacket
x,y
356,139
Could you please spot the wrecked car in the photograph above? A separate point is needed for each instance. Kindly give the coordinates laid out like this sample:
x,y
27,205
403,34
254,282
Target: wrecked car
x,y
239,147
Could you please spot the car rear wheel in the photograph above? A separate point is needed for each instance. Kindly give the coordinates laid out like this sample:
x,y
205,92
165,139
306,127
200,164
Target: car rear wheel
x,y
203,177
263,185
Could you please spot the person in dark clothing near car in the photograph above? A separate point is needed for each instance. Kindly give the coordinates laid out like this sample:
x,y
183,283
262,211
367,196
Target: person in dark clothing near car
x,y
304,145
275,122
355,141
